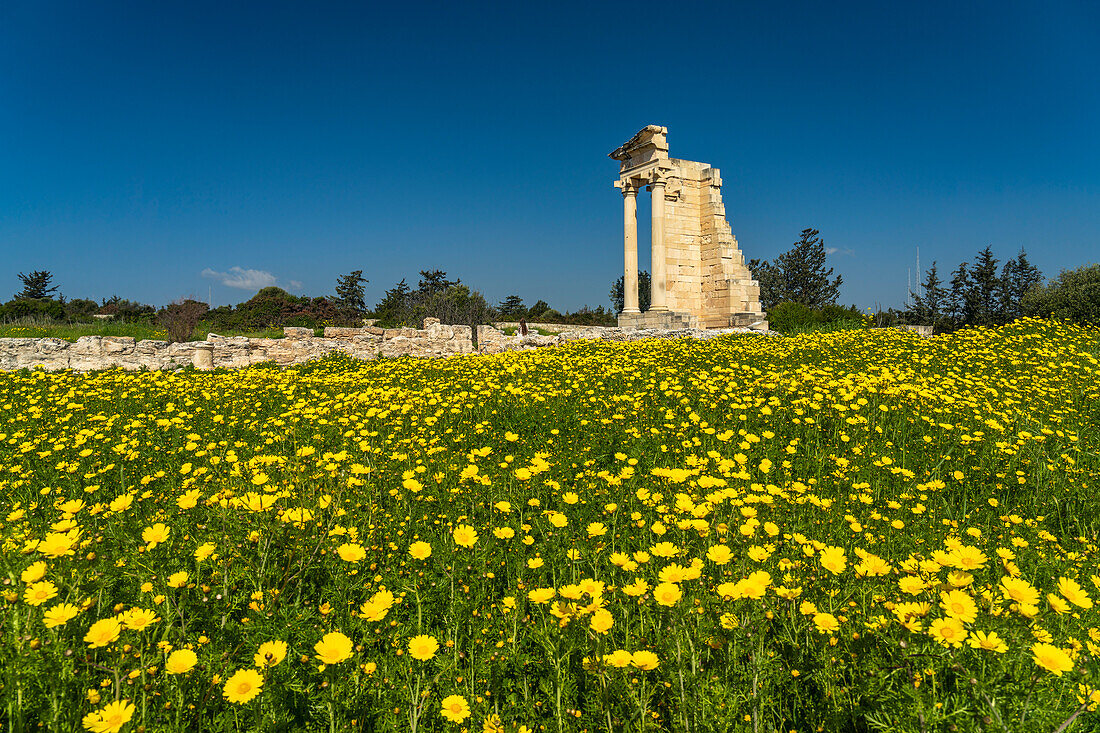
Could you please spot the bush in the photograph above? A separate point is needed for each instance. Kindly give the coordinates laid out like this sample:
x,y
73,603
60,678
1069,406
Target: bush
x,y
127,311
791,317
80,309
275,307
181,317
1072,296
31,308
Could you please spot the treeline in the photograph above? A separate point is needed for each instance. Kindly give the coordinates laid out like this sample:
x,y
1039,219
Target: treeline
x,y
435,295
983,294
978,294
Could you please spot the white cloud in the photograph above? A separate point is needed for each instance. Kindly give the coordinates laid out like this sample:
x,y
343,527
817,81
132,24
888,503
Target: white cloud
x,y
296,285
239,277
838,251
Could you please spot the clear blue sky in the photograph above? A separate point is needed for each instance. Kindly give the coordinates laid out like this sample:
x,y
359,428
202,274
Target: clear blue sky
x,y
143,144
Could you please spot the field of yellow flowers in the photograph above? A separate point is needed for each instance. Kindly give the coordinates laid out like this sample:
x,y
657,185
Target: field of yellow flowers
x,y
861,530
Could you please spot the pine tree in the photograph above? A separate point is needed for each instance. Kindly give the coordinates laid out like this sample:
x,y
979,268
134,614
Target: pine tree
x,y
985,287
433,282
929,305
804,277
395,308
536,311
512,307
36,286
350,293
645,293
1018,276
772,284
958,302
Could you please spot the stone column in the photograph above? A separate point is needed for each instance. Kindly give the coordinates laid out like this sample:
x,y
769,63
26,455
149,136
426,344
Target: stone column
x,y
658,300
203,357
630,248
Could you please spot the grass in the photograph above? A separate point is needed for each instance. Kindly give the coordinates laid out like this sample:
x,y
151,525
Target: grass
x,y
28,328
511,330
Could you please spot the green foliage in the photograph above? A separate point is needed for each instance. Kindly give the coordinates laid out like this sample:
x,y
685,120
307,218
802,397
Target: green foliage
x,y
771,282
1073,296
36,285
790,317
512,308
645,293
350,294
22,308
538,310
128,311
978,296
275,307
798,275
435,297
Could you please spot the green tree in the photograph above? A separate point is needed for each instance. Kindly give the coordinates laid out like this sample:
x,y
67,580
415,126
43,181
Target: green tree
x,y
983,294
512,307
958,303
433,282
645,292
1018,276
772,284
804,277
1074,295
538,309
36,286
929,306
395,307
350,293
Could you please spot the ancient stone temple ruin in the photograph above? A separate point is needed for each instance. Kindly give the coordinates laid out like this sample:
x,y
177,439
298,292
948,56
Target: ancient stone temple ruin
x,y
699,278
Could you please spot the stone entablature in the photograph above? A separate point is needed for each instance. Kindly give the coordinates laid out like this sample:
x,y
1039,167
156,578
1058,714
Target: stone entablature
x,y
697,270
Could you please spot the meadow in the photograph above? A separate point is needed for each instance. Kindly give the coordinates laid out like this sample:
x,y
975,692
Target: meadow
x,y
848,531
45,328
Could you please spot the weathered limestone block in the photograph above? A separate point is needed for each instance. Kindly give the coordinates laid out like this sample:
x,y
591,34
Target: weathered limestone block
x,y
87,346
394,333
118,345
489,340
394,348
341,332
438,330
296,332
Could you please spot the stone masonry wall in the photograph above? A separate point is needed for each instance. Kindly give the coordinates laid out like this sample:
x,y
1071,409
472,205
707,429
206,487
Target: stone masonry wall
x,y
298,346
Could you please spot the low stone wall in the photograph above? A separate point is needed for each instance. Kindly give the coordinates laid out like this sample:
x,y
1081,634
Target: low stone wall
x,y
533,326
299,345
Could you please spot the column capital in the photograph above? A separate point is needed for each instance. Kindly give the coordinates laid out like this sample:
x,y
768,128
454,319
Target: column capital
x,y
628,189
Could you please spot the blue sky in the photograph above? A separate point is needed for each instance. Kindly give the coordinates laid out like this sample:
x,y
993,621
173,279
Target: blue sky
x,y
157,150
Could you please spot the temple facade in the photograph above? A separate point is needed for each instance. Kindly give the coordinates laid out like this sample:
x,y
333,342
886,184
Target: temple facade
x,y
698,274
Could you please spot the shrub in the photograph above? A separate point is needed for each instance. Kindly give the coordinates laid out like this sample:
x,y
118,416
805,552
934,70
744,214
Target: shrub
x,y
181,317
791,317
1072,296
275,307
31,308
